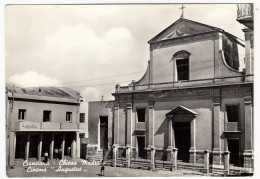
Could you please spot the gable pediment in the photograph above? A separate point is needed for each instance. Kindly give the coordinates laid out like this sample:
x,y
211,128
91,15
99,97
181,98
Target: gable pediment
x,y
181,111
182,27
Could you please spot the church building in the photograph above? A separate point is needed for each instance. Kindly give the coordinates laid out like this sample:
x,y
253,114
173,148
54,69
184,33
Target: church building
x,y
193,97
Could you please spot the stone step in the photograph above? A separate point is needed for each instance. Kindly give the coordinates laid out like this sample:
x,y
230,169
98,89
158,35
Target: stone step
x,y
217,173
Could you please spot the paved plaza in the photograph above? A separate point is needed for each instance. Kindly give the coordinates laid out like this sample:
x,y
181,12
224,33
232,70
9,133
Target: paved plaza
x,y
79,168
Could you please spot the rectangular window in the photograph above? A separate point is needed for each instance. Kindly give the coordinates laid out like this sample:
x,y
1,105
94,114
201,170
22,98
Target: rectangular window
x,y
182,69
68,116
233,113
141,115
46,116
82,117
21,114
81,135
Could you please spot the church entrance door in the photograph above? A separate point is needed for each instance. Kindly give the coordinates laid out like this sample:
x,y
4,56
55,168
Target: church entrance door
x,y
182,131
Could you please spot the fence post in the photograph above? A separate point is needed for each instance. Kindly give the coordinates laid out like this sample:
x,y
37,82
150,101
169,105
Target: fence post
x,y
226,163
114,155
128,156
153,149
206,161
174,159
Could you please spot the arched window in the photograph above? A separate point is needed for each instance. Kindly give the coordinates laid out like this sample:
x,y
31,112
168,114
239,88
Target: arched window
x,y
182,64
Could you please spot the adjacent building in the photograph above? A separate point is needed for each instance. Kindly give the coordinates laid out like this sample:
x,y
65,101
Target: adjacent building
x,y
100,124
43,119
245,15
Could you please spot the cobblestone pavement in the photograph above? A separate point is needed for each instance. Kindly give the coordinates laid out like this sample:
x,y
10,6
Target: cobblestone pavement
x,y
76,168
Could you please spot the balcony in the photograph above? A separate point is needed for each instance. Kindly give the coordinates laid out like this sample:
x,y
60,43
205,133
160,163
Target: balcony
x,y
232,127
46,126
140,126
245,14
68,125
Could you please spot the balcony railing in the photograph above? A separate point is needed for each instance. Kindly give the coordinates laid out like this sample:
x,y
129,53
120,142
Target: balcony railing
x,y
232,127
183,84
245,10
35,126
140,126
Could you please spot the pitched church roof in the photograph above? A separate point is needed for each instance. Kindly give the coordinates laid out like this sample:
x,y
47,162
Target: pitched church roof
x,y
185,27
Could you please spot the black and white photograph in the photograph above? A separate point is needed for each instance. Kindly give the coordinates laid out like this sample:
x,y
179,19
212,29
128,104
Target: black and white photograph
x,y
129,90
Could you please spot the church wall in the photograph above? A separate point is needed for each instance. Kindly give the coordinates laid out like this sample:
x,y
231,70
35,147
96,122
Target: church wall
x,y
97,109
201,61
137,105
234,101
203,121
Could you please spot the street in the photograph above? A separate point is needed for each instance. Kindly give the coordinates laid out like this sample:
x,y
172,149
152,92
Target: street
x,y
77,168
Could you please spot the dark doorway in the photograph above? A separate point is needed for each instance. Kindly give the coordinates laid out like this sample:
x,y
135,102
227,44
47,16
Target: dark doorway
x,y
141,146
182,140
68,144
103,132
83,151
58,138
233,148
34,142
46,143
21,140
57,141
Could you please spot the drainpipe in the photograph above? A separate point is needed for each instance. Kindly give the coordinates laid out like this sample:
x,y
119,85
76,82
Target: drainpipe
x,y
78,107
9,128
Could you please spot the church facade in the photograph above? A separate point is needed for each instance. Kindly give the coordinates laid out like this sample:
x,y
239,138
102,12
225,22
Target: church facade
x,y
193,97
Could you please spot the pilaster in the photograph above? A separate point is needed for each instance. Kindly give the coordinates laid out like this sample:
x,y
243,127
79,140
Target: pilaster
x,y
63,146
192,150
39,155
248,153
150,124
217,153
52,146
27,147
129,124
116,123
249,36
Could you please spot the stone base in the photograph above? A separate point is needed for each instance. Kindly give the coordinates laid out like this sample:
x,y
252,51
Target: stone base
x,y
148,154
192,157
199,156
217,158
169,155
133,153
248,159
121,152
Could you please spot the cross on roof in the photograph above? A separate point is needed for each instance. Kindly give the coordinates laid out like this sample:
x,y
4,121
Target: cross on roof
x,y
182,9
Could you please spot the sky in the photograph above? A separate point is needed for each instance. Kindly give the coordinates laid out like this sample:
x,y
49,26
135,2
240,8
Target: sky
x,y
91,48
